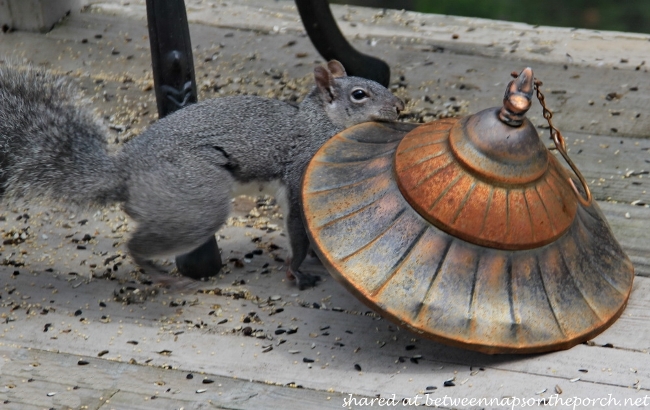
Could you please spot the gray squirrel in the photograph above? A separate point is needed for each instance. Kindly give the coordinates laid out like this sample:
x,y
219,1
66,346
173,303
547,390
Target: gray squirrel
x,y
176,179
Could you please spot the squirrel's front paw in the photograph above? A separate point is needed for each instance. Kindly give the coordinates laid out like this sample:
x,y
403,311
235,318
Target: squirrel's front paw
x,y
303,280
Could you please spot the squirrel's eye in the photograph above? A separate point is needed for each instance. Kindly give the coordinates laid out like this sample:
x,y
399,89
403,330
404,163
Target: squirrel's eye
x,y
359,95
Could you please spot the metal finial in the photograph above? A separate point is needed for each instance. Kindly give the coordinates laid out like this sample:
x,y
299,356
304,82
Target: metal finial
x,y
517,99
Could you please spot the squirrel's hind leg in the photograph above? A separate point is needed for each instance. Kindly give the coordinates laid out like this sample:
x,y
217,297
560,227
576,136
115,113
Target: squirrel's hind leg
x,y
177,206
152,240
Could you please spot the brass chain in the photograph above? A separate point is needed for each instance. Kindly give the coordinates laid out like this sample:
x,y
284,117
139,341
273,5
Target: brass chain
x,y
560,144
556,136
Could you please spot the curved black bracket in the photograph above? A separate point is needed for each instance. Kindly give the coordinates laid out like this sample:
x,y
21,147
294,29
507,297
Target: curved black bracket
x,y
326,36
175,85
171,55
180,98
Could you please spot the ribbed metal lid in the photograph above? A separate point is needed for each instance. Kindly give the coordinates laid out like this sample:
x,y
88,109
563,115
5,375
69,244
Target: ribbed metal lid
x,y
487,178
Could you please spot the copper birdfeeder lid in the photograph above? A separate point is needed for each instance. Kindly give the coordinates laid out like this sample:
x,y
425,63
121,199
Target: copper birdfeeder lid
x,y
468,231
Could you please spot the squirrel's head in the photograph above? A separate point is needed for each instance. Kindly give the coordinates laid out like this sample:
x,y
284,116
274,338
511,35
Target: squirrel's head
x,y
352,100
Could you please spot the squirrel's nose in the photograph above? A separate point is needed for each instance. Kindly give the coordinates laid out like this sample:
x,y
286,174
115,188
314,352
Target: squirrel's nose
x,y
399,105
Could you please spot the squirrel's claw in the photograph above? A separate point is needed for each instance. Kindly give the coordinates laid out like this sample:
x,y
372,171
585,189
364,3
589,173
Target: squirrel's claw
x,y
159,277
303,280
175,283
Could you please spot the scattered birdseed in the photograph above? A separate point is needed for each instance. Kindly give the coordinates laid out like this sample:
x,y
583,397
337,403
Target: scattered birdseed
x,y
50,394
207,381
574,380
294,351
357,367
429,388
541,391
583,370
558,389
189,376
199,391
82,362
307,360
102,353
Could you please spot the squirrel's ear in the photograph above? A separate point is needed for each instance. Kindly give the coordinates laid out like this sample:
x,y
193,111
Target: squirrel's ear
x,y
336,68
324,80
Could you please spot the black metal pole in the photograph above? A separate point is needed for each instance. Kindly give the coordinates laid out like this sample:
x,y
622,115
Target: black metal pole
x,y
173,74
331,44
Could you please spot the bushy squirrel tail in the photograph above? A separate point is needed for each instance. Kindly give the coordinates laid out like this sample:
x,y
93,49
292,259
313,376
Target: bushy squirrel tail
x,y
50,146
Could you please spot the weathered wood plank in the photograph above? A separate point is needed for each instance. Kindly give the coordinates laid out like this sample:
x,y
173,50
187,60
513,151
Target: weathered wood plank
x,y
197,342
577,66
54,379
631,226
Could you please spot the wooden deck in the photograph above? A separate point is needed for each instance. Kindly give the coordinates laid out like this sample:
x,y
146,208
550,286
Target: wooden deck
x,y
249,339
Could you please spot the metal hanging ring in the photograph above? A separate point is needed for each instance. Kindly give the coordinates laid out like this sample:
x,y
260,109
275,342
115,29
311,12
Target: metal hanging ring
x,y
561,146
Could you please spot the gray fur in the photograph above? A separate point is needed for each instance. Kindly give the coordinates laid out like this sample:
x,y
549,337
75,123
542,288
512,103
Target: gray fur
x,y
175,178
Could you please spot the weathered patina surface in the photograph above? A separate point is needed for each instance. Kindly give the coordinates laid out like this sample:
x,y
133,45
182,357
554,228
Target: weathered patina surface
x,y
467,231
